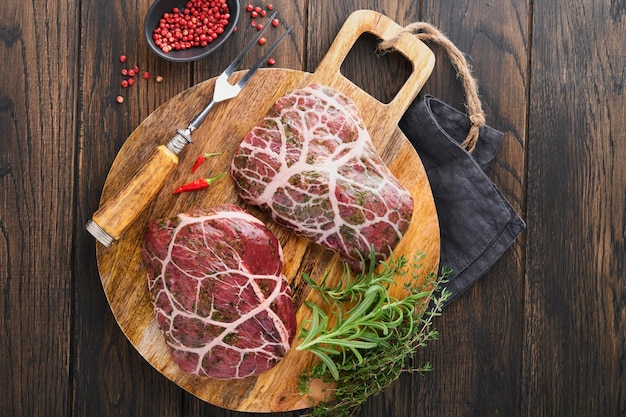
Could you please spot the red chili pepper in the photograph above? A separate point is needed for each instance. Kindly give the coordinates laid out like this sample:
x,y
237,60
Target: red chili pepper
x,y
201,159
199,184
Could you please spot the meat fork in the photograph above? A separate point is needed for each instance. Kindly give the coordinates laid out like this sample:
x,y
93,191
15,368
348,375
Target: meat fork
x,y
109,223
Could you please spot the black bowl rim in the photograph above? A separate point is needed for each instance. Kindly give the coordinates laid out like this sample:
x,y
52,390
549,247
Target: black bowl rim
x,y
192,54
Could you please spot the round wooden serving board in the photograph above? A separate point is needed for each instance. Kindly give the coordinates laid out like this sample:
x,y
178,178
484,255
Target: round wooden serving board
x,y
121,269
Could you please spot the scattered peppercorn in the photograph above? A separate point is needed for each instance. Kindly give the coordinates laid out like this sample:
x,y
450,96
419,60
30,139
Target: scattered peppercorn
x,y
271,61
258,11
130,74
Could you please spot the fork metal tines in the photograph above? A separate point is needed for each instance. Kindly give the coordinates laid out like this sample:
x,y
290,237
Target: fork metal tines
x,y
223,89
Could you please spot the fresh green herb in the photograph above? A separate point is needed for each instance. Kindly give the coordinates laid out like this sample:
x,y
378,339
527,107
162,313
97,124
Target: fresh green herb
x,y
371,344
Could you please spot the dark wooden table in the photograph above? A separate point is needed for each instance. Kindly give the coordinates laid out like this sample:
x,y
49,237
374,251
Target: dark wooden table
x,y
542,334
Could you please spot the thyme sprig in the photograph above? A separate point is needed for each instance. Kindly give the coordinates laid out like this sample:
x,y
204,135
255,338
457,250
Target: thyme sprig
x,y
371,344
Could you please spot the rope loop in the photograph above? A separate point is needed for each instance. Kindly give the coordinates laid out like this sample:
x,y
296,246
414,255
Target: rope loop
x,y
428,33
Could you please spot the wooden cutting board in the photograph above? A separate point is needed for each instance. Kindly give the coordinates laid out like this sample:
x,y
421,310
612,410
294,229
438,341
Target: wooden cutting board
x,y
122,272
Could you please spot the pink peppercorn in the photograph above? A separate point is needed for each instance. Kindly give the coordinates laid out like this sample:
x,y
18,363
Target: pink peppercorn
x,y
182,28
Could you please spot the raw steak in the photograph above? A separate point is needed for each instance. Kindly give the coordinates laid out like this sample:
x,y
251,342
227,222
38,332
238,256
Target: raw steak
x,y
218,292
312,164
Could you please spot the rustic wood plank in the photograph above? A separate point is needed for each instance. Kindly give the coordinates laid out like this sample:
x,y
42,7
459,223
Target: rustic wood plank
x,y
36,192
477,358
576,327
110,377
542,334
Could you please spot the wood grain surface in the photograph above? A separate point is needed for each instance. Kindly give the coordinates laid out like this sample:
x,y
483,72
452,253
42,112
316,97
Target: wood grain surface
x,y
123,275
541,334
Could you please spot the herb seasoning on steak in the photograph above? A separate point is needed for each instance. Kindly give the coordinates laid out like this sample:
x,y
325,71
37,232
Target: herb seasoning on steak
x,y
312,164
218,292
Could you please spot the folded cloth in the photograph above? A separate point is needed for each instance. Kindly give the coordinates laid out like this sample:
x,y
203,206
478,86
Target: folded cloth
x,y
477,224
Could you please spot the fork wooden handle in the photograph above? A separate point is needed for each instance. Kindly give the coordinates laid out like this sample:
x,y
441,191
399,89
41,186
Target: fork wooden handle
x,y
109,223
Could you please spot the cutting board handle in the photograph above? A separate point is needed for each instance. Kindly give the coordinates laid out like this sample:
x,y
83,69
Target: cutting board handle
x,y
416,52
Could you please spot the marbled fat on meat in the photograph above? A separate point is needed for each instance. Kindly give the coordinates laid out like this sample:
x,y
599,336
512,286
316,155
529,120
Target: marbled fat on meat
x,y
218,292
311,163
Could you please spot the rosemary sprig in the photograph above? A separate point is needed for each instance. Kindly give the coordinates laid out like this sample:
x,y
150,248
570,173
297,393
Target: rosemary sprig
x,y
372,343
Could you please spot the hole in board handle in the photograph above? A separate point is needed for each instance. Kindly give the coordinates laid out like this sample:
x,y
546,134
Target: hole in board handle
x,y
380,75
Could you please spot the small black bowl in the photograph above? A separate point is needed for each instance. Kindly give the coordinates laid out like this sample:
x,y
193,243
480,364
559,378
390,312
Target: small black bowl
x,y
192,54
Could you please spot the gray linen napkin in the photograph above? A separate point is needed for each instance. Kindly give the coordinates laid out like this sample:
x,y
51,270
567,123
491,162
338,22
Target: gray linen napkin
x,y
477,224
